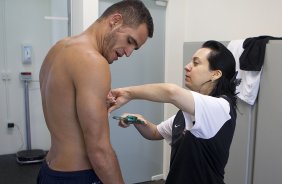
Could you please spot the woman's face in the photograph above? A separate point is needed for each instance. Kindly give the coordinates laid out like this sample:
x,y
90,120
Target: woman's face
x,y
198,76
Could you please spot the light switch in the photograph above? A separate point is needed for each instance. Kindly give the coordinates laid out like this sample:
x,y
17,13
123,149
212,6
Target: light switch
x,y
27,54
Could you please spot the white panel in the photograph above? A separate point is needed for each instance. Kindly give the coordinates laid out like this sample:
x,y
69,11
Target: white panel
x,y
3,114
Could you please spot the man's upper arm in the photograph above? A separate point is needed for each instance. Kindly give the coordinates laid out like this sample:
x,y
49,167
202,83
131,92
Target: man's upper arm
x,y
92,84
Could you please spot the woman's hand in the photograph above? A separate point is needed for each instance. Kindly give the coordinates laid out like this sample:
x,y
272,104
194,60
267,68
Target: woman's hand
x,y
124,124
117,98
110,100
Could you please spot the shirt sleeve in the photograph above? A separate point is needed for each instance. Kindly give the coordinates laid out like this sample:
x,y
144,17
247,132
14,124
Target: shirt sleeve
x,y
211,113
165,129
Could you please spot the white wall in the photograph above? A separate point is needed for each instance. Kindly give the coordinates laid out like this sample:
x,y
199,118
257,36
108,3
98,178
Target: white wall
x,y
192,20
84,14
59,27
226,20
22,22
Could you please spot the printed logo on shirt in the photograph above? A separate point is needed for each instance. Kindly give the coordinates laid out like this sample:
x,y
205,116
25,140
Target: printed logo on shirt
x,y
175,126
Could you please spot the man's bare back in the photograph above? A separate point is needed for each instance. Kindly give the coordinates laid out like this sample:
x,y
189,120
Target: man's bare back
x,y
68,152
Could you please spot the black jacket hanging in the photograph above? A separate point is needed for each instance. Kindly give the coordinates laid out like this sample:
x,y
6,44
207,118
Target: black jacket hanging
x,y
252,58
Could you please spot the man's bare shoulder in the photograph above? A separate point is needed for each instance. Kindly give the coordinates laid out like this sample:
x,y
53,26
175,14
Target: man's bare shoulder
x,y
82,62
80,49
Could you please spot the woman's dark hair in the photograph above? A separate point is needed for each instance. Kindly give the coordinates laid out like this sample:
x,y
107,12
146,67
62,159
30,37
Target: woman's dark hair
x,y
220,58
134,13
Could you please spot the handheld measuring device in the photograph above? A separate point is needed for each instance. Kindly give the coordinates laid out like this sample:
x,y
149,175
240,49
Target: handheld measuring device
x,y
129,119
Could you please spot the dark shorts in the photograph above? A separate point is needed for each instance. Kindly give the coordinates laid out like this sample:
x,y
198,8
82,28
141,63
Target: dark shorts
x,y
49,176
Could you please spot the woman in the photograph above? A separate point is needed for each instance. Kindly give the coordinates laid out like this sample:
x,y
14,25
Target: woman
x,y
200,134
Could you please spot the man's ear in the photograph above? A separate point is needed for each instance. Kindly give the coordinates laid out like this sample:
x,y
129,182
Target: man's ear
x,y
116,19
216,75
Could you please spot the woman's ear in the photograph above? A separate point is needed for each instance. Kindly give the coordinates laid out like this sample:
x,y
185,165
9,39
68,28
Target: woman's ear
x,y
216,75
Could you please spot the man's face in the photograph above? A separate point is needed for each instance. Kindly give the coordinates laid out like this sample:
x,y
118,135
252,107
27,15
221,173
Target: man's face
x,y
123,40
197,71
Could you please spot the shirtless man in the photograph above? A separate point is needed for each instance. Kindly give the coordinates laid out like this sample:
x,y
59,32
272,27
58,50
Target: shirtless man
x,y
75,80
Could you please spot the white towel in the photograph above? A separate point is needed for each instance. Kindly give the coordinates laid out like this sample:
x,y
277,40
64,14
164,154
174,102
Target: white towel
x,y
248,89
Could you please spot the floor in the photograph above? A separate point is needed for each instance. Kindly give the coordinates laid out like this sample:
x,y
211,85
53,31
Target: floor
x,y
153,182
13,173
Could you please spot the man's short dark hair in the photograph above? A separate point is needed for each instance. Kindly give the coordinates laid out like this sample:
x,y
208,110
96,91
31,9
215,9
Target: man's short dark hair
x,y
134,13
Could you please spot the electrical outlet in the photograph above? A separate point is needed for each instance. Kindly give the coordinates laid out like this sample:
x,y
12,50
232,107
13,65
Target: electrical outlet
x,y
26,53
10,125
